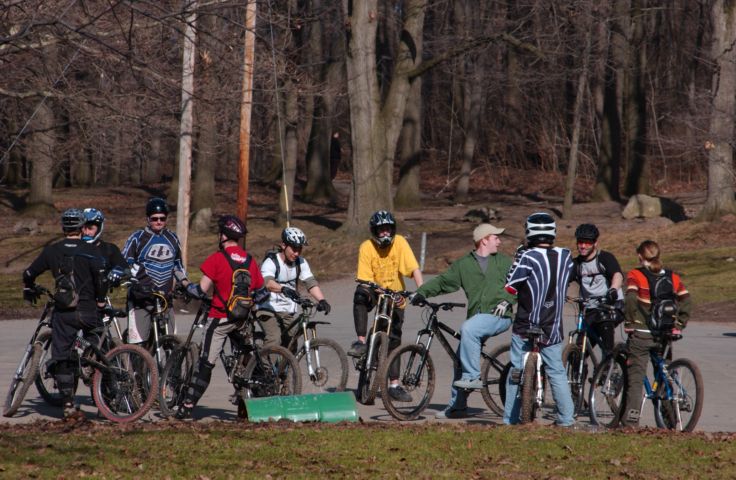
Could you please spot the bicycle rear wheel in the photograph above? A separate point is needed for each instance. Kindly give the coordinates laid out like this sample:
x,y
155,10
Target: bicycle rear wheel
x,y
368,382
491,371
416,376
45,382
529,389
22,379
126,390
274,372
682,410
175,379
607,392
329,366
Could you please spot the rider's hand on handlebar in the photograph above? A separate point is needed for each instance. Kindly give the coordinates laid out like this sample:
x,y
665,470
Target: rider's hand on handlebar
x,y
114,276
417,298
30,295
195,291
611,296
290,293
323,306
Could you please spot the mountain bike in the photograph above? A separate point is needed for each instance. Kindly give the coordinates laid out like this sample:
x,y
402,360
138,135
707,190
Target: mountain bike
x,y
578,357
417,374
253,370
676,389
368,365
322,361
112,337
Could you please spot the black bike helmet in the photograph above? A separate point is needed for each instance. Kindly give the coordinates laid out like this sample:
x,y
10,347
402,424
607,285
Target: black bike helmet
x,y
232,227
540,228
72,219
379,219
587,231
92,216
293,237
157,205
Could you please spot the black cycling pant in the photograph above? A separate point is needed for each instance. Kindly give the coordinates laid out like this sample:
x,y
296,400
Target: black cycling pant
x,y
64,328
604,332
363,302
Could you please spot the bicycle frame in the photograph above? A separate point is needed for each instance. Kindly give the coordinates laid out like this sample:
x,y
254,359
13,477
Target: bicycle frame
x,y
660,376
308,331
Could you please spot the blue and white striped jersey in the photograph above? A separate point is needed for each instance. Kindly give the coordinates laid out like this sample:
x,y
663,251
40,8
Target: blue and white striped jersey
x,y
159,254
540,279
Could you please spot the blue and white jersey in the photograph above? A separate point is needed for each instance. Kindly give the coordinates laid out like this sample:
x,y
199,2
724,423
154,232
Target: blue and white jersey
x,y
540,280
159,254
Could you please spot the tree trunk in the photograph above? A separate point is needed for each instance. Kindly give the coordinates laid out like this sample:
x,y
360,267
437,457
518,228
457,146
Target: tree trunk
x,y
407,191
720,199
41,151
375,125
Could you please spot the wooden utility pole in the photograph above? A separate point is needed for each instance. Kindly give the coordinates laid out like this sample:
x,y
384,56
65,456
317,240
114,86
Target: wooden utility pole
x,y
245,108
185,133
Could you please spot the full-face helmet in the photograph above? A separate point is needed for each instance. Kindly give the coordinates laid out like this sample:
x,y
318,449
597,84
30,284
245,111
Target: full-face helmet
x,y
540,228
379,219
92,216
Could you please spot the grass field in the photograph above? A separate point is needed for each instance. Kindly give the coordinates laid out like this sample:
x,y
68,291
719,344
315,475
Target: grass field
x,y
285,450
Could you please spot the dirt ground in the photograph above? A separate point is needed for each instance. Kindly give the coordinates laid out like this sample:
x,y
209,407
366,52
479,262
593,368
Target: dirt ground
x,y
332,254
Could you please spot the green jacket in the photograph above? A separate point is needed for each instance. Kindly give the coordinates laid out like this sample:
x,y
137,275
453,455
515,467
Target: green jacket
x,y
484,291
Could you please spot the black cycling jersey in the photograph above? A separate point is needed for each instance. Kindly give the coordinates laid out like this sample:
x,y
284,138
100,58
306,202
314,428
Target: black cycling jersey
x,y
86,268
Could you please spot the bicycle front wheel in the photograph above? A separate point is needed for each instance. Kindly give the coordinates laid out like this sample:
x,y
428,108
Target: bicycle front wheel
x,y
175,379
126,389
529,389
274,372
45,382
416,377
368,382
324,367
22,379
579,369
491,372
607,392
680,410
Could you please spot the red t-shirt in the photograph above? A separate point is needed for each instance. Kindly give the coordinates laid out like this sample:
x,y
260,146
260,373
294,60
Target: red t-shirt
x,y
217,268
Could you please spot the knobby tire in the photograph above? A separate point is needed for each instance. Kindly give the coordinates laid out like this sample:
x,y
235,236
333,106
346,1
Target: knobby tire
x,y
45,383
175,379
417,378
19,386
608,392
491,371
529,389
330,364
368,383
276,373
687,401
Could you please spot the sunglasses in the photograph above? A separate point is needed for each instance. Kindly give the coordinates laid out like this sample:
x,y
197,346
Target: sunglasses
x,y
157,219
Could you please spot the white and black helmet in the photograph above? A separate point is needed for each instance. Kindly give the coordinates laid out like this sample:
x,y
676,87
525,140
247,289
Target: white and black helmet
x,y
293,237
540,228
380,219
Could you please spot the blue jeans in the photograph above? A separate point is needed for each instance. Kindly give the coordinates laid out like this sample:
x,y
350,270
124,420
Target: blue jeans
x,y
472,333
556,376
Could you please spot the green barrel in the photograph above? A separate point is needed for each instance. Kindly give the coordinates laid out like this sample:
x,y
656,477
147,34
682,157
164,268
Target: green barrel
x,y
317,407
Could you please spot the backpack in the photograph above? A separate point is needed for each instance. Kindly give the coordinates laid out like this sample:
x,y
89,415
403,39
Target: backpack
x,y
598,265
239,302
273,255
662,294
65,292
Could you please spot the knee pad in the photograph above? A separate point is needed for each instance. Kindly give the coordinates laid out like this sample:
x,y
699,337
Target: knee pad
x,y
363,297
200,381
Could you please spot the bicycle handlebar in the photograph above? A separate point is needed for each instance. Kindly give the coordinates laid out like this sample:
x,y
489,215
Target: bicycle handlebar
x,y
388,291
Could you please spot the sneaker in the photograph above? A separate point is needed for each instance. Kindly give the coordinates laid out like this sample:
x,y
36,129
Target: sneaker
x,y
398,394
73,414
451,413
476,384
357,349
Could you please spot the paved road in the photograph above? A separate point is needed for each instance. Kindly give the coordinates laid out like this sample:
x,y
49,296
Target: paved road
x,y
710,345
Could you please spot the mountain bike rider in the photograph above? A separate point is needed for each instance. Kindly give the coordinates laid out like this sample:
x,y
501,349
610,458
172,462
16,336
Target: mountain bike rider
x,y
282,272
384,259
70,255
217,275
599,275
481,274
540,280
115,264
639,300
154,256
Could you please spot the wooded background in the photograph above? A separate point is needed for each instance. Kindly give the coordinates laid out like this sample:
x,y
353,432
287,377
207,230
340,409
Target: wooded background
x,y
633,93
